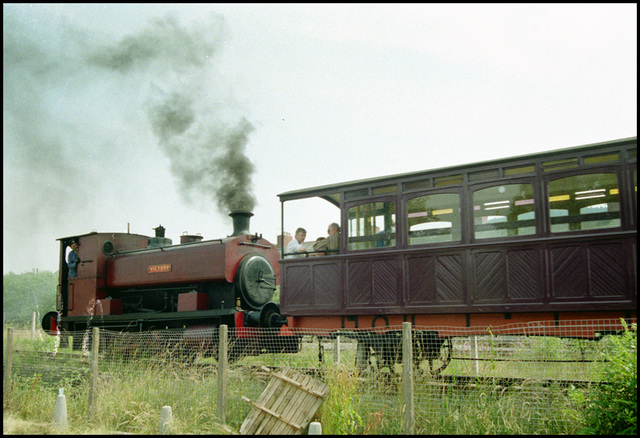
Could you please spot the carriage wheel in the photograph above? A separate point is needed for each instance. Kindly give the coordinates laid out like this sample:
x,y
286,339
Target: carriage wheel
x,y
431,354
363,356
377,353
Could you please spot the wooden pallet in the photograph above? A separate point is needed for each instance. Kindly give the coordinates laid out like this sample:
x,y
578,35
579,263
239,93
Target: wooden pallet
x,y
286,406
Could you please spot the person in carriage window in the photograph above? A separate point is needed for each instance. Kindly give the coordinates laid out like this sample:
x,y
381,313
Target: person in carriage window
x,y
295,249
331,243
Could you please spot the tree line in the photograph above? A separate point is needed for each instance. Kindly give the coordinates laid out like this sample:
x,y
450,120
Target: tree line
x,y
23,294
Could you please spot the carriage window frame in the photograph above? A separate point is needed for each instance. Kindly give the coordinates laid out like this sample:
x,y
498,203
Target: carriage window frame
x,y
385,239
596,221
435,232
511,229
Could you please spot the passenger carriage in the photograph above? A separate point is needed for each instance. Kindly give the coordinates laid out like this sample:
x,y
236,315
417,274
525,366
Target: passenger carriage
x,y
544,237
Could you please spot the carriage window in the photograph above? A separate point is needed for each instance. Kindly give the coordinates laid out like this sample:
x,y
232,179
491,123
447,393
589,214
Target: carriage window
x,y
570,163
385,189
448,180
372,225
584,202
484,174
519,170
504,211
422,184
599,159
356,193
434,218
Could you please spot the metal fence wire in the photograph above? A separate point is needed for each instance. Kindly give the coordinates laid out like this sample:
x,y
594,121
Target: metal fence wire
x,y
514,378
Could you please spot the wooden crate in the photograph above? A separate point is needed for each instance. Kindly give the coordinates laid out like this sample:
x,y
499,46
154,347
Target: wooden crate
x,y
286,406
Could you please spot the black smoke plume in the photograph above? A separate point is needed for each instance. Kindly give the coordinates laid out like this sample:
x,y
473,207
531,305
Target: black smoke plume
x,y
207,153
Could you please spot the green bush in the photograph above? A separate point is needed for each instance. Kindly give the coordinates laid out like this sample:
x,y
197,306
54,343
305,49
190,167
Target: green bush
x,y
613,408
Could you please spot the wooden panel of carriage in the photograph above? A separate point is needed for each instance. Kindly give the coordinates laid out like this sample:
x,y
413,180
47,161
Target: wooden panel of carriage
x,y
580,274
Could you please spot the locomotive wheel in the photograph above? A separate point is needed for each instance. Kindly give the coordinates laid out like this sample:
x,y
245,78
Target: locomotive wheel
x,y
199,341
242,347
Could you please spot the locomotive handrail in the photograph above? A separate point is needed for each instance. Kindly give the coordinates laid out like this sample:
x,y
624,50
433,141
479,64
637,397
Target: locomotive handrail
x,y
163,248
262,279
255,244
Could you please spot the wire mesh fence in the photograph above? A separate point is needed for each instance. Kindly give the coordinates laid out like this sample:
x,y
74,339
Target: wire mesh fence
x,y
510,379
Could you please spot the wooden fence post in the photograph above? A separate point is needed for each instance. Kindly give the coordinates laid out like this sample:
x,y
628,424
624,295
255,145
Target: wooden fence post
x,y
8,362
222,373
408,417
336,350
33,325
93,373
474,348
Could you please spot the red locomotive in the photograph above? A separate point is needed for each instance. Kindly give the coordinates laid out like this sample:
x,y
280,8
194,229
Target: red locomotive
x,y
131,282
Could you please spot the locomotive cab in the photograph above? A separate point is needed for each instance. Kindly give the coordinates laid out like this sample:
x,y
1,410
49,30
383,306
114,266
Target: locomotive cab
x,y
77,296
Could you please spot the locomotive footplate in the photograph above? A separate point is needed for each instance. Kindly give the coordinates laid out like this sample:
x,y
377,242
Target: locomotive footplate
x,y
132,320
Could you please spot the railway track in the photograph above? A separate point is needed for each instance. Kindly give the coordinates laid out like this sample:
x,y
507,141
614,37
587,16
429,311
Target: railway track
x,y
457,381
504,382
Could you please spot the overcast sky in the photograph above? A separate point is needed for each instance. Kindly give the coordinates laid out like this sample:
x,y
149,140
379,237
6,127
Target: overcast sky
x,y
132,114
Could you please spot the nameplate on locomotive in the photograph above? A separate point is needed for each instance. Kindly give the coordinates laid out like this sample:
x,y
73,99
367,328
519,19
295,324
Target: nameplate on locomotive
x,y
154,269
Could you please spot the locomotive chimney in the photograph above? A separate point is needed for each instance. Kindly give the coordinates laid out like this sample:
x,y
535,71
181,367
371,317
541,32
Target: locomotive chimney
x,y
159,239
241,221
159,231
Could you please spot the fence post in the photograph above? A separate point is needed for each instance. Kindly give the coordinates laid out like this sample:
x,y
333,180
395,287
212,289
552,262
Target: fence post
x,y
33,325
336,350
474,338
408,417
222,373
93,373
8,362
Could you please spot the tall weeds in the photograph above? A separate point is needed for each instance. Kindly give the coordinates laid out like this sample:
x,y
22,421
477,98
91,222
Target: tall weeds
x,y
612,409
339,413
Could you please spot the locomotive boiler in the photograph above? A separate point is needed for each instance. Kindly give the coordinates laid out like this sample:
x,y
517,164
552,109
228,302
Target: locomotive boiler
x,y
131,282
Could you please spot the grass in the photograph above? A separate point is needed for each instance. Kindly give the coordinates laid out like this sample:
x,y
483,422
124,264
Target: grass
x,y
131,393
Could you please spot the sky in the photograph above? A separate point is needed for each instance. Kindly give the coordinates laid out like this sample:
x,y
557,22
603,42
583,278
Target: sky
x,y
128,116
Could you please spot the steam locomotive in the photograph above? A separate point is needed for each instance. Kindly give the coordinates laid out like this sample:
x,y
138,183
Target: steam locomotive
x,y
130,282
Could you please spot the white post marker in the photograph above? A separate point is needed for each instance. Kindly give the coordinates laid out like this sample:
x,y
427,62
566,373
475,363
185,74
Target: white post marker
x,y
60,410
166,421
315,428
